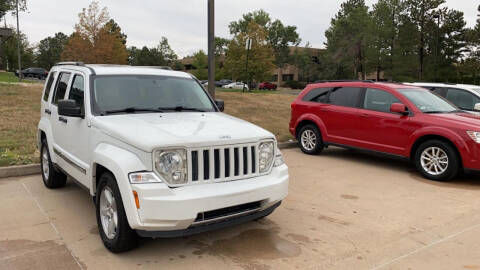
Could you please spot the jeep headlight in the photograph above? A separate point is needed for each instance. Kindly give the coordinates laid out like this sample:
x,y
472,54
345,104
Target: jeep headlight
x,y
171,165
266,151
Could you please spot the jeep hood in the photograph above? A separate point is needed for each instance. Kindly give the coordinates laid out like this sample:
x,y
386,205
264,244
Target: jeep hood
x,y
187,129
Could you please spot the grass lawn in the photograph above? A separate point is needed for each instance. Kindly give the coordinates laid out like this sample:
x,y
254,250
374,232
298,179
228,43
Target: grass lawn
x,y
9,77
20,111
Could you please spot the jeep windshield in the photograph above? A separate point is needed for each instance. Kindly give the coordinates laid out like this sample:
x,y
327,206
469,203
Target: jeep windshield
x,y
124,94
428,102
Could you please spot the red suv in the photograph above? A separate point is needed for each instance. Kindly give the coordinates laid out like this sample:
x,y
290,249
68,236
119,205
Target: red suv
x,y
267,86
394,119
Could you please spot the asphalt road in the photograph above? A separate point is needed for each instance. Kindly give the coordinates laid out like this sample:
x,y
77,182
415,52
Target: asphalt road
x,y
345,210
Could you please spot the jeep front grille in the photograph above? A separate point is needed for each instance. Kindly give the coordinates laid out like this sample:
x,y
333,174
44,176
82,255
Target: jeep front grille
x,y
222,163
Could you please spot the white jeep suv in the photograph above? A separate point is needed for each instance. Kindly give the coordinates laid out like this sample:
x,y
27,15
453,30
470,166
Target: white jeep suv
x,y
155,151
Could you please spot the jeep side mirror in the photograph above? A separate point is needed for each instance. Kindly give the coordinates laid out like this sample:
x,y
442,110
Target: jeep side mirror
x,y
399,108
476,107
69,107
220,104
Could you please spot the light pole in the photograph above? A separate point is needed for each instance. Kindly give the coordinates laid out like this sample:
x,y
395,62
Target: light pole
x,y
18,48
248,46
437,16
211,48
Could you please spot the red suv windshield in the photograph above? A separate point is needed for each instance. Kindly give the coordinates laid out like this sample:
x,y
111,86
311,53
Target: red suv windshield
x,y
427,102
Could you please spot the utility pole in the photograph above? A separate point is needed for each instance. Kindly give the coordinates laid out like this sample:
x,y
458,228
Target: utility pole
x,y
211,48
248,46
437,16
18,48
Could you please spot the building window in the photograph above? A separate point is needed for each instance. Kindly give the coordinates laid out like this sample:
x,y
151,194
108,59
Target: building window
x,y
274,78
287,77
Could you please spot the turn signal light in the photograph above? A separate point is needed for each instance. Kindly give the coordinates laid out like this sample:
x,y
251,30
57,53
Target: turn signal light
x,y
137,201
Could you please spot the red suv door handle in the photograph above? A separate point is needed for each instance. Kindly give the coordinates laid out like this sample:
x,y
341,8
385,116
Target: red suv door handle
x,y
364,115
324,109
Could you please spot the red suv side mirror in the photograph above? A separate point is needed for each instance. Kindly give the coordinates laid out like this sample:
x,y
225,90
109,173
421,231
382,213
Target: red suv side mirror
x,y
399,108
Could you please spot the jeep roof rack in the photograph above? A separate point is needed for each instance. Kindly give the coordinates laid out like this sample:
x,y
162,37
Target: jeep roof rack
x,y
78,64
329,81
157,67
70,64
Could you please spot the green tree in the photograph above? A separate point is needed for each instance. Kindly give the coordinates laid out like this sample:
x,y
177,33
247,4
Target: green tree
x,y
279,36
200,62
261,58
10,52
115,29
421,13
49,50
11,5
161,55
349,36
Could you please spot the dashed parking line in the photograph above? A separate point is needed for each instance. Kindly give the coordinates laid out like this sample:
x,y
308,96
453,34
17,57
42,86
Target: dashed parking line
x,y
425,247
51,224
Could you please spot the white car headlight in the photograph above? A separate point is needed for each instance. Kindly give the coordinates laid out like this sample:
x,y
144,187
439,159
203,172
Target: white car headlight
x,y
172,165
278,159
266,151
143,178
475,135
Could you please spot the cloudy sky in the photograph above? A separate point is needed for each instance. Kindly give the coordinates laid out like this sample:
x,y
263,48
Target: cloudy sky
x,y
184,22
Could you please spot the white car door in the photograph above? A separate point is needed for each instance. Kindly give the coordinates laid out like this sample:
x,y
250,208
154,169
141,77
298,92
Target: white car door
x,y
71,134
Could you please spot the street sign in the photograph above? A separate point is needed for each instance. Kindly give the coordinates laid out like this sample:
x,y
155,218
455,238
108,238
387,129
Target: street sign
x,y
248,45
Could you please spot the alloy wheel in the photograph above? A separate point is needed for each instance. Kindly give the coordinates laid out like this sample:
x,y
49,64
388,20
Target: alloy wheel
x,y
434,160
108,213
308,139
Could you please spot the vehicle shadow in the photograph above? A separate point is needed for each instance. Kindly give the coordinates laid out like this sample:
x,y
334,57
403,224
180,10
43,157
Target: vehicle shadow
x,y
469,181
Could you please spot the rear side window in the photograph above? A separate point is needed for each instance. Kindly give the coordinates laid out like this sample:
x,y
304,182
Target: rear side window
x,y
462,99
378,100
440,91
61,88
317,95
51,78
345,96
77,89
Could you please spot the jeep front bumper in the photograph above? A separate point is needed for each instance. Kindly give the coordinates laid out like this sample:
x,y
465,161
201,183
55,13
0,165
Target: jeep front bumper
x,y
169,212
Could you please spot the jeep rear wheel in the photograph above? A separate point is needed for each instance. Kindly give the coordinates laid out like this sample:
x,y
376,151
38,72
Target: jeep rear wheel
x,y
116,234
52,178
437,160
310,140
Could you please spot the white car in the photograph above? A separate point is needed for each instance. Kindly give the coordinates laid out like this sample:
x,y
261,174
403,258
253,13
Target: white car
x,y
236,85
464,96
155,152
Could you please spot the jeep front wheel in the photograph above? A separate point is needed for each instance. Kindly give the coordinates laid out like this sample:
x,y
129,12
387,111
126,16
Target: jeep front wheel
x,y
116,234
52,178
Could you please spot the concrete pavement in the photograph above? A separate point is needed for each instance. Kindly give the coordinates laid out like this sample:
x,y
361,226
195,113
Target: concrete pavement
x,y
345,210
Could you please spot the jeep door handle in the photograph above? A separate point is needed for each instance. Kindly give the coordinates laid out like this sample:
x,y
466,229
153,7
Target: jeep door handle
x,y
62,119
364,115
47,111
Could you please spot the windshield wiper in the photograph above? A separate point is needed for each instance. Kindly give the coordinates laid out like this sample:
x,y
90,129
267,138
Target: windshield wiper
x,y
133,110
435,112
181,109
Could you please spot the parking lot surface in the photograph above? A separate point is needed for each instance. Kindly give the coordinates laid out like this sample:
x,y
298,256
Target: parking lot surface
x,y
345,210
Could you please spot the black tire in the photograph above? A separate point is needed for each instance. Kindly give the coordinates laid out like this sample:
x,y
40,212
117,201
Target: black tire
x,y
318,144
52,178
125,238
453,161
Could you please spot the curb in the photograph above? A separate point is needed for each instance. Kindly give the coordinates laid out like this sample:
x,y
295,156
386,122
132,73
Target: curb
x,y
287,145
21,170
24,170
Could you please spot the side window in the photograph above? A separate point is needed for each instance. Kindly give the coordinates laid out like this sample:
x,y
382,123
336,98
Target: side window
x,y
440,91
317,95
379,100
462,99
61,88
77,90
51,78
345,96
